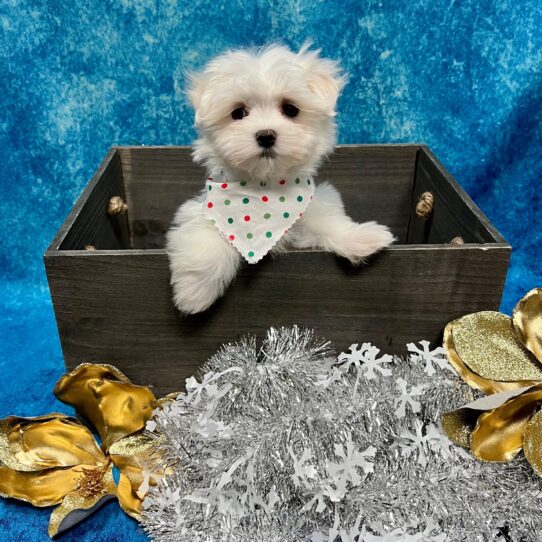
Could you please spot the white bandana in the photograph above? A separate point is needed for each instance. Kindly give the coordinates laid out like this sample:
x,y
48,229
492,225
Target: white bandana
x,y
254,215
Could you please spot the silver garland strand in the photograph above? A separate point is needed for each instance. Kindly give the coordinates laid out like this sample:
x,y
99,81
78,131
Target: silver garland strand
x,y
289,443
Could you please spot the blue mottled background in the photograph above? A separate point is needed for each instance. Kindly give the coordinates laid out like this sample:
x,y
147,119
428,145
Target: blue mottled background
x,y
78,76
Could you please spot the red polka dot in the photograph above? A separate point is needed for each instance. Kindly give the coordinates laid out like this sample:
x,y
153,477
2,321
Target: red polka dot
x,y
210,205
247,218
265,199
231,237
224,185
282,181
209,178
300,214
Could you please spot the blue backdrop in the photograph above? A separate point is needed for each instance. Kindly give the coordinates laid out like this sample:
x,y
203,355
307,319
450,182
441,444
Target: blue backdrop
x,y
78,76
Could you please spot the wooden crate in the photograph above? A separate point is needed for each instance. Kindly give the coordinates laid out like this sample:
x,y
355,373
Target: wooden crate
x,y
113,304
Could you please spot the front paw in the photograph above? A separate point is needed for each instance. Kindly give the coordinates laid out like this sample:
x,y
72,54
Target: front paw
x,y
194,292
364,240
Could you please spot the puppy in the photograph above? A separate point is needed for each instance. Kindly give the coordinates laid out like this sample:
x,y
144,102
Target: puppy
x,y
265,119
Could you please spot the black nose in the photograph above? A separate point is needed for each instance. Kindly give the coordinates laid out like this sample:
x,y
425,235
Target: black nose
x,y
266,138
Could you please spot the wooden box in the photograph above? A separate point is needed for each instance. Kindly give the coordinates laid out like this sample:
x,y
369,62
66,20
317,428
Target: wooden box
x,y
113,302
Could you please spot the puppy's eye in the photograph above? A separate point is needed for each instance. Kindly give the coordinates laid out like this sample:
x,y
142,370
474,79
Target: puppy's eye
x,y
239,113
290,110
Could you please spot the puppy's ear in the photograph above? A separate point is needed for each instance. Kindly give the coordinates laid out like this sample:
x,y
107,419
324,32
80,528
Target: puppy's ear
x,y
324,77
196,89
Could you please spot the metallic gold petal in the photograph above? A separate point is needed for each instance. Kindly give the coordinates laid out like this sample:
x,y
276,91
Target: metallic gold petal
x,y
532,442
44,442
43,488
137,444
131,455
129,500
527,320
498,435
458,425
104,396
83,501
488,356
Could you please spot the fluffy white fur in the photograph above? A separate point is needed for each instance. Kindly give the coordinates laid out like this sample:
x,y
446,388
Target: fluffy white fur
x,y
202,262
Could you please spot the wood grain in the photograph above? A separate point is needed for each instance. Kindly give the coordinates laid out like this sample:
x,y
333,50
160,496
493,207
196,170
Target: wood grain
x,y
115,305
404,295
454,213
375,181
89,223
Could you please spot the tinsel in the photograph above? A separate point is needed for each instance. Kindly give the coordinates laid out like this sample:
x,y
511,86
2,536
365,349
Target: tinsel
x,y
288,442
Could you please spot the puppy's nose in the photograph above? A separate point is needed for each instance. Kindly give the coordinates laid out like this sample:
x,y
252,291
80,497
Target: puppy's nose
x,y
266,138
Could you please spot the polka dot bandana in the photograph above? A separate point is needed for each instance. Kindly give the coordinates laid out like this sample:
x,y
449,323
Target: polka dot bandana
x,y
254,215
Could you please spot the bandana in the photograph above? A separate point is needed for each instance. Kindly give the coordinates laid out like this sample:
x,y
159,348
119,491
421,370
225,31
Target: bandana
x,y
254,215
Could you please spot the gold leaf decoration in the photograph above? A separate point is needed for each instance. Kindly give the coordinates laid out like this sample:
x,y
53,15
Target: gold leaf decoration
x,y
55,460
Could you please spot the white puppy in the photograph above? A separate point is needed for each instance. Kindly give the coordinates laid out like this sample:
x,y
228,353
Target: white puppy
x,y
265,120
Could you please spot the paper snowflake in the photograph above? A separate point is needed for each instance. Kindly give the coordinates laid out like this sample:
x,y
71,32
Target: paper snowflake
x,y
365,360
432,358
303,472
407,398
416,442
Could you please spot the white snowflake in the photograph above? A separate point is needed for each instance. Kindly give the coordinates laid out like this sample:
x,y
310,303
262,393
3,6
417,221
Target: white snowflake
x,y
438,441
365,360
195,389
341,475
407,397
351,460
416,442
432,358
302,471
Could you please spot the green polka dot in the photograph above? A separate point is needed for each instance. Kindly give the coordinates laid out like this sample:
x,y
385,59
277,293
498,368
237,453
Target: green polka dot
x,y
286,215
267,215
251,253
300,198
210,188
282,199
213,221
245,200
227,202
297,181
308,181
243,183
230,220
268,234
249,236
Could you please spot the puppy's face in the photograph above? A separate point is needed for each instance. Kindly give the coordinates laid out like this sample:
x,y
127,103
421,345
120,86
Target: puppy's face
x,y
266,113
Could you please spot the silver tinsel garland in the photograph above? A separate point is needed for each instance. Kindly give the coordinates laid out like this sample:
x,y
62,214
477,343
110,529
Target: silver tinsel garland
x,y
288,443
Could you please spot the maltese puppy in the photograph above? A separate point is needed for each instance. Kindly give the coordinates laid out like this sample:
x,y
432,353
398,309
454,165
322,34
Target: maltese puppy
x,y
265,120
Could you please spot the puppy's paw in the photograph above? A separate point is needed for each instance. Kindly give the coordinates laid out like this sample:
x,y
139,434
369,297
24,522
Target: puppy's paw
x,y
364,240
193,292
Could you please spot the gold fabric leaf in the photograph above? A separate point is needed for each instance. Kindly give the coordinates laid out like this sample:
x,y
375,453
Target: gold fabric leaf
x,y
128,498
485,350
532,442
54,459
527,320
90,494
105,397
498,435
458,425
43,488
32,444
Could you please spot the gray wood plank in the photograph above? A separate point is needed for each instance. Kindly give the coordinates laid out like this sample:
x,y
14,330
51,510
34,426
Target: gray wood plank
x,y
89,223
376,182
454,213
116,307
